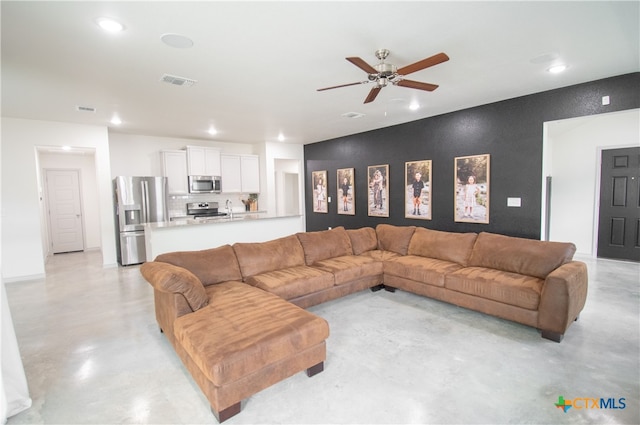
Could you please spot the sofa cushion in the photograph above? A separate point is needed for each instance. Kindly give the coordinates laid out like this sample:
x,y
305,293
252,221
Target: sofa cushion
x,y
505,287
349,268
253,329
210,265
292,282
166,277
519,255
394,238
363,239
380,255
262,257
325,244
448,246
420,269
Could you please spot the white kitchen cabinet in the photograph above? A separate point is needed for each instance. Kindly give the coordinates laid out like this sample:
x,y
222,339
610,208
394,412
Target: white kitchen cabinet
x,y
250,173
231,176
174,167
203,161
240,173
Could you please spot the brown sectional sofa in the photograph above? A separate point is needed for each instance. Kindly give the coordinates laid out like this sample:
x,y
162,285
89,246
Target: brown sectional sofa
x,y
234,314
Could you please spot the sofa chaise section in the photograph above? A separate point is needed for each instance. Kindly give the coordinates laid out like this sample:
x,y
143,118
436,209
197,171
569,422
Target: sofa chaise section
x,y
234,339
246,340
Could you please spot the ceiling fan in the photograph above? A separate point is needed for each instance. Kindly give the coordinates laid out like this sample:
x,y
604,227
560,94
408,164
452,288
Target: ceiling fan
x,y
384,73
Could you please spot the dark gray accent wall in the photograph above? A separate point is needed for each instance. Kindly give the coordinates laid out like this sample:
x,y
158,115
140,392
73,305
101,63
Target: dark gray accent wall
x,y
510,131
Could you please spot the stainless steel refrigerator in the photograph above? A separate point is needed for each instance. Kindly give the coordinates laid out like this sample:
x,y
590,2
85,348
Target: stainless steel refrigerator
x,y
138,200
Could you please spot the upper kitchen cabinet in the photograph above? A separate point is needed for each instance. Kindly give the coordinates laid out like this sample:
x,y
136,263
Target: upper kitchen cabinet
x,y
203,161
250,173
174,167
240,173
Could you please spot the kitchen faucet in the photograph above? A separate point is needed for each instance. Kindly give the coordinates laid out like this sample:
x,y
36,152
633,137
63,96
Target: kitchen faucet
x,y
229,209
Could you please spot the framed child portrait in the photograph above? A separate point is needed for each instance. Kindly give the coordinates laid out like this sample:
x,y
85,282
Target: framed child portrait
x,y
378,199
471,185
346,191
418,190
319,190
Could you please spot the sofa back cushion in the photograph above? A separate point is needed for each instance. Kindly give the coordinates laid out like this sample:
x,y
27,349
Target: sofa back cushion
x,y
166,277
363,239
518,255
448,246
263,257
394,238
211,266
325,244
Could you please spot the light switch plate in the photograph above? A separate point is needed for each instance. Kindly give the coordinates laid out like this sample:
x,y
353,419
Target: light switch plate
x,y
514,202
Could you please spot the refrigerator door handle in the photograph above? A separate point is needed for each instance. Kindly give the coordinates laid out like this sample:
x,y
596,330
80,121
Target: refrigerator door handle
x,y
145,201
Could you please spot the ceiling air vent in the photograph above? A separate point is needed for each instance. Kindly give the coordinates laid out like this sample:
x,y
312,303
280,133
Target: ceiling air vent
x,y
352,115
85,108
177,81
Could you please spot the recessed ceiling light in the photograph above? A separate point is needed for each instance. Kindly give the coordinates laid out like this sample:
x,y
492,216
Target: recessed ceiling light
x,y
212,131
116,120
556,69
176,40
66,148
109,24
414,106
281,137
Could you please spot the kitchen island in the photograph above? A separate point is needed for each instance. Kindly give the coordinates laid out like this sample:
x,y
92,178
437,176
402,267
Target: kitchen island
x,y
191,234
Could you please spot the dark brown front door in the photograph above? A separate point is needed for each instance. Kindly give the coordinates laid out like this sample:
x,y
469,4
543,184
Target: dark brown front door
x,y
619,224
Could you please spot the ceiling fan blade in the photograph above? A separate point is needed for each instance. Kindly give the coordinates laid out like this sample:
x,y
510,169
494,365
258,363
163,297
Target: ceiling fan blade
x,y
343,85
417,85
372,94
424,63
362,65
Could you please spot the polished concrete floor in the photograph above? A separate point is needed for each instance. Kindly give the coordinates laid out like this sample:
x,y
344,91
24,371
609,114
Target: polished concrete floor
x,y
93,355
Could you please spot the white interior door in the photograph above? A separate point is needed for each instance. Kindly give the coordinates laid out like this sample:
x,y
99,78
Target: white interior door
x,y
65,210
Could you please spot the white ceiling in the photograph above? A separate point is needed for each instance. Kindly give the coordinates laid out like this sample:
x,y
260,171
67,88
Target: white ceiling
x,y
258,64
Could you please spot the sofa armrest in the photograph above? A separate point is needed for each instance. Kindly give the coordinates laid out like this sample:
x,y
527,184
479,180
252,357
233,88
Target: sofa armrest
x,y
165,277
563,297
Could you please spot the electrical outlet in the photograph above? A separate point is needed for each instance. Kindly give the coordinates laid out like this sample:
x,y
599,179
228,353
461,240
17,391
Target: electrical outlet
x,y
605,100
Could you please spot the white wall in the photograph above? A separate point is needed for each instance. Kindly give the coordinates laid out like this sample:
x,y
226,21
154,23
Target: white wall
x,y
85,163
139,155
572,155
22,253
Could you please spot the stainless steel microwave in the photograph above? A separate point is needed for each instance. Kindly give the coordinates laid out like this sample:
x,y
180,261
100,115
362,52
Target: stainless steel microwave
x,y
204,184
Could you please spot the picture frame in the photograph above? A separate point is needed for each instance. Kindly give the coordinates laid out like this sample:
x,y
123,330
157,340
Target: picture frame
x,y
418,189
378,190
319,190
345,181
471,188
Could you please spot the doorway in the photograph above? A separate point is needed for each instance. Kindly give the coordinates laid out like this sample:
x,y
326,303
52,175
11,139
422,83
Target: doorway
x,y
64,210
571,157
288,186
619,222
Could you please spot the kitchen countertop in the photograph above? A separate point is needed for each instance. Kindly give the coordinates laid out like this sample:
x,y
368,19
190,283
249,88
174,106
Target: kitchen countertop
x,y
190,234
237,217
